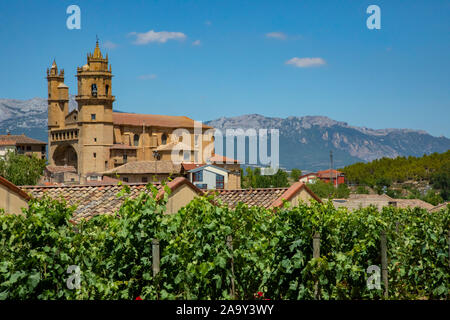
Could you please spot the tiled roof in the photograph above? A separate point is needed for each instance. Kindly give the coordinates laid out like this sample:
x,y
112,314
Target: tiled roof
x,y
94,199
190,166
155,120
20,139
59,169
261,197
122,147
141,167
326,173
7,143
413,203
356,201
221,159
440,207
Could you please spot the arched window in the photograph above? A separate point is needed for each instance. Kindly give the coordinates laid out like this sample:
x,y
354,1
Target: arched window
x,y
94,90
136,140
164,139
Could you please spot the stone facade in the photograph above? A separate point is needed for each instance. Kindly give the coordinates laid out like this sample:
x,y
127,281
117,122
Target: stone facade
x,y
94,138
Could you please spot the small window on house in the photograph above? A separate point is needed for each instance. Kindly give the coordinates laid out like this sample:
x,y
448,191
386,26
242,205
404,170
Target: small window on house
x,y
144,179
28,148
164,139
93,116
197,176
136,140
94,90
125,179
219,181
43,149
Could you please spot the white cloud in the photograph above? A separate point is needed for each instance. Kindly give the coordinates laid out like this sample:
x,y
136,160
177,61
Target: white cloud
x,y
109,44
152,36
196,43
147,77
276,35
306,62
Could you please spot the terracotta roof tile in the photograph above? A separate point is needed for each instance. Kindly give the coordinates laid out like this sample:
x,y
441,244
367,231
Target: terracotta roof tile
x,y
95,199
20,139
154,120
190,166
122,147
142,167
263,197
221,159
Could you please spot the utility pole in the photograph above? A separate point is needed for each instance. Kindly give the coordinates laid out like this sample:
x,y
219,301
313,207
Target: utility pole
x,y
331,167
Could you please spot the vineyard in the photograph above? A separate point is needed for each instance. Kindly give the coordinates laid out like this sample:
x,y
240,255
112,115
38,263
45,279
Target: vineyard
x,y
209,251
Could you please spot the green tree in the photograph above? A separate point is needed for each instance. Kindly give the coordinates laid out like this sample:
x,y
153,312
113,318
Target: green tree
x,y
296,174
20,169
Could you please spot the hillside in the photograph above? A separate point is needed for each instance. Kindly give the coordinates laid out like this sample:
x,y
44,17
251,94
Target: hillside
x,y
305,142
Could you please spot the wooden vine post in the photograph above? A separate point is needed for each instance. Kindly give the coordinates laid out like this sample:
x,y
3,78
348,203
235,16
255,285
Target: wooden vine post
x,y
316,254
384,269
155,256
230,246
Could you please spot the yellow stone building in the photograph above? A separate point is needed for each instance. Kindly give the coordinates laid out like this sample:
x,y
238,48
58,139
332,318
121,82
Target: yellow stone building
x,y
94,139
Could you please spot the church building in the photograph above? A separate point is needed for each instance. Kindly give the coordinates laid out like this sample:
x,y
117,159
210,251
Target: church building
x,y
94,139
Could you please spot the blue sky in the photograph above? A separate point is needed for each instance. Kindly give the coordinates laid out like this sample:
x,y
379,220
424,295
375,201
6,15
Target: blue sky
x,y
228,58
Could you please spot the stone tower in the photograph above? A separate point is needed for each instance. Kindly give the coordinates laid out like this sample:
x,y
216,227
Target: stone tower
x,y
95,113
58,98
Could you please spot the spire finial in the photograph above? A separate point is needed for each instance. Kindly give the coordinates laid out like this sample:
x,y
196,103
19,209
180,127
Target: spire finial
x,y
97,52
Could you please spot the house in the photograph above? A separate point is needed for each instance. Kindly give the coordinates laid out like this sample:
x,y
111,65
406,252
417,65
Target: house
x,y
325,176
331,176
101,198
308,178
60,174
229,168
267,198
12,198
209,177
22,145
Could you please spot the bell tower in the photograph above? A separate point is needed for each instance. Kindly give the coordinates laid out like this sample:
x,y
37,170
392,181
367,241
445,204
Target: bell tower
x,y
95,113
58,98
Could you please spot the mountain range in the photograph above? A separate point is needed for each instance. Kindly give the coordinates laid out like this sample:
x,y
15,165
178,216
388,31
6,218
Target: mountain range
x,y
305,142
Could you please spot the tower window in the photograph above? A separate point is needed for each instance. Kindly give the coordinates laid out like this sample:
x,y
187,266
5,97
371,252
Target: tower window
x,y
95,155
164,139
136,140
94,90
107,90
95,139
93,116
